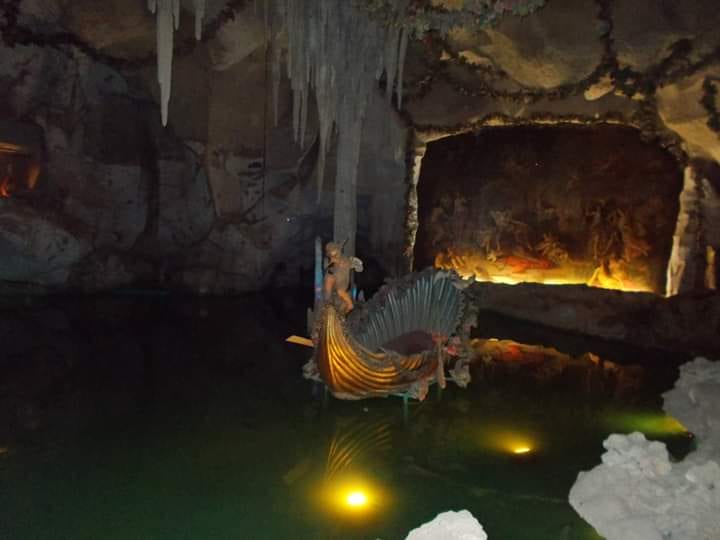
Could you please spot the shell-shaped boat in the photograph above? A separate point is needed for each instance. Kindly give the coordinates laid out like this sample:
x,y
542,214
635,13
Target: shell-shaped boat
x,y
393,344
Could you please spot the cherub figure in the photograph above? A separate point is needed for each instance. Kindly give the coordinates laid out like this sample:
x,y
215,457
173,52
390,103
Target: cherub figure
x,y
337,277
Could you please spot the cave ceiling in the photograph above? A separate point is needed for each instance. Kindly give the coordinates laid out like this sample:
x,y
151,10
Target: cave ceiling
x,y
649,63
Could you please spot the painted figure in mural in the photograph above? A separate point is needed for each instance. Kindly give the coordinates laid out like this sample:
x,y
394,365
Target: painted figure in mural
x,y
337,276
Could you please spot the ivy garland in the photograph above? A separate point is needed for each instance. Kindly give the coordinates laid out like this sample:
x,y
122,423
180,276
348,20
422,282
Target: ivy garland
x,y
13,33
422,18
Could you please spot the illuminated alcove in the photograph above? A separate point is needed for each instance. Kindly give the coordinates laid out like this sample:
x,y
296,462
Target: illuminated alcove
x,y
20,164
594,205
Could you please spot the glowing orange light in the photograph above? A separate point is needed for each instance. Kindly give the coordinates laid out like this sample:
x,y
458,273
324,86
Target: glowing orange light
x,y
5,184
475,266
521,450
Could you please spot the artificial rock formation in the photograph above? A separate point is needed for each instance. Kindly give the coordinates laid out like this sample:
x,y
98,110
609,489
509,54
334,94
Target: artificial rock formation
x,y
643,64
692,263
639,492
450,526
560,44
682,323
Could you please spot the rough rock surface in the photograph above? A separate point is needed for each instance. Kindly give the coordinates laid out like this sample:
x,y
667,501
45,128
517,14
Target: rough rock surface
x,y
644,31
681,323
692,264
566,62
36,248
450,526
185,209
639,493
559,44
695,402
681,109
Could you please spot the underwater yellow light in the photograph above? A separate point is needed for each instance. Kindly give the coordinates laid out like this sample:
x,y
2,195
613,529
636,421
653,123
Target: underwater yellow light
x,y
506,439
356,499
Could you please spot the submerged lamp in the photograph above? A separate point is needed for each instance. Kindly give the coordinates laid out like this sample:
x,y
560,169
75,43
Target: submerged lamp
x,y
356,499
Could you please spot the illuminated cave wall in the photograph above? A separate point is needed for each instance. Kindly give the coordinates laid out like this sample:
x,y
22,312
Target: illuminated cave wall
x,y
555,205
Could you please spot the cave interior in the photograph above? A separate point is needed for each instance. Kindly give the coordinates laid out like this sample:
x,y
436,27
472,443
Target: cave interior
x,y
168,169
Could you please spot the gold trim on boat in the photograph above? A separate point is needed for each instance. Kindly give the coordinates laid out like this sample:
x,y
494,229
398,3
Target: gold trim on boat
x,y
353,372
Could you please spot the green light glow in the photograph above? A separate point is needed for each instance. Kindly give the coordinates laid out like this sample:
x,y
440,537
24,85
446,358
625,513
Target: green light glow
x,y
651,424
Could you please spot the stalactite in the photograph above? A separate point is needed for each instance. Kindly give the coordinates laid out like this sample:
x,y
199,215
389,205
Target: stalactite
x,y
199,18
176,13
165,35
401,65
339,52
276,74
167,14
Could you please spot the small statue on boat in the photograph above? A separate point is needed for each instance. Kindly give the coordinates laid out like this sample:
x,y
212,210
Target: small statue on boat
x,y
397,343
337,276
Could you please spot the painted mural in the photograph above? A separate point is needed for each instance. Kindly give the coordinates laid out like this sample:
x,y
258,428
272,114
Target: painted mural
x,y
556,205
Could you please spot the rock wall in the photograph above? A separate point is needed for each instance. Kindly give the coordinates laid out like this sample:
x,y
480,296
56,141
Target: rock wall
x,y
681,323
222,200
697,236
647,64
227,170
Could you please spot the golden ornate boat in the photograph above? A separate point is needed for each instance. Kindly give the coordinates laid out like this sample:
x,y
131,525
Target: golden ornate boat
x,y
396,343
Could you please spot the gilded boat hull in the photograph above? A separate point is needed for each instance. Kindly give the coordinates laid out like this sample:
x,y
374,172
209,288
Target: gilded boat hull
x,y
353,356
353,372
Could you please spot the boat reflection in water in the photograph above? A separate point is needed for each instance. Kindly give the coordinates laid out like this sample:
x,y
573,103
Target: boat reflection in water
x,y
514,438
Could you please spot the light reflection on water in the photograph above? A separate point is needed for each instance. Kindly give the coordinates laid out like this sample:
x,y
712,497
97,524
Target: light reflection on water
x,y
215,453
293,475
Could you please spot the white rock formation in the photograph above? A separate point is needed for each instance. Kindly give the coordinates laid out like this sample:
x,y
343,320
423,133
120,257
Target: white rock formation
x,y
695,402
638,493
450,526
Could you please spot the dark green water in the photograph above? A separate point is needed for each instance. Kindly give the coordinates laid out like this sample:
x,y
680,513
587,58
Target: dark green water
x,y
132,418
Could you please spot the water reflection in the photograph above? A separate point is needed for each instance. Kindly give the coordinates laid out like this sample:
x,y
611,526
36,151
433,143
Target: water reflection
x,y
161,427
651,424
357,451
587,372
